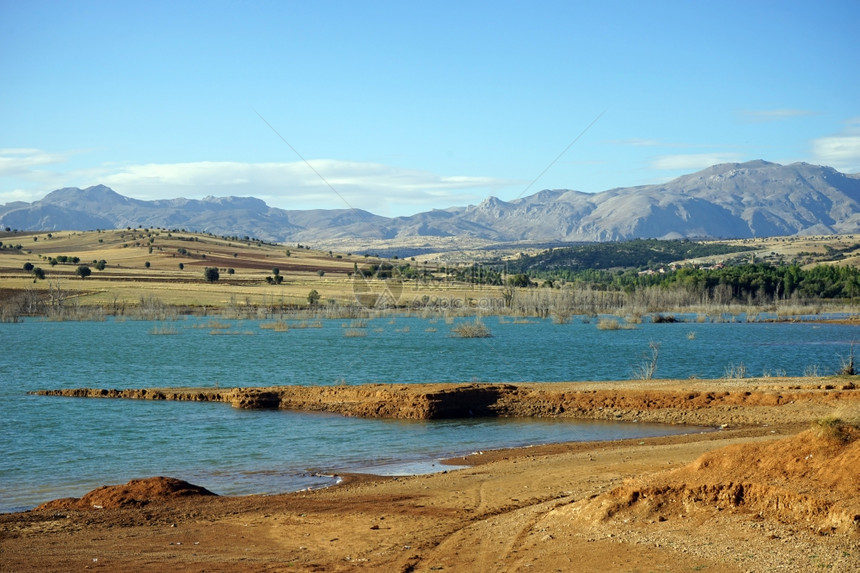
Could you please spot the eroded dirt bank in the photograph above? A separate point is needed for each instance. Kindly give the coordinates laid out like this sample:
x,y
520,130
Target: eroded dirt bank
x,y
778,494
716,402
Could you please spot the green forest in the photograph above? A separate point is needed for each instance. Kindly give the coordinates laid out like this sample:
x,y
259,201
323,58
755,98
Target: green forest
x,y
619,267
638,254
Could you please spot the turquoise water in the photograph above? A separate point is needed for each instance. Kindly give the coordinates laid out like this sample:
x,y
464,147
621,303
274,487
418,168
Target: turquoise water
x,y
53,447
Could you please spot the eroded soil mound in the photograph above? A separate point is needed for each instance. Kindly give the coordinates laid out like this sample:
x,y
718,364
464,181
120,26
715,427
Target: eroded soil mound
x,y
810,479
136,493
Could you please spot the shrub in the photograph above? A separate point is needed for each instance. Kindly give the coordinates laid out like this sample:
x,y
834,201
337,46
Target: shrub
x,y
476,329
663,319
608,324
847,367
834,427
736,371
646,370
211,274
83,271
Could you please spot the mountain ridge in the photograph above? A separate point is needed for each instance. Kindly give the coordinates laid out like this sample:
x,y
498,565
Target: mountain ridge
x,y
729,200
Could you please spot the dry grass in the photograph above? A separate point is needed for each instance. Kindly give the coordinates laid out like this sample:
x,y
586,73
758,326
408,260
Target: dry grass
x,y
474,329
163,330
354,333
276,326
836,427
613,324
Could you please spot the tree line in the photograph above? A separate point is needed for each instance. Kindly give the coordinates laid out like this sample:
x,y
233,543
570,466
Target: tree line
x,y
759,282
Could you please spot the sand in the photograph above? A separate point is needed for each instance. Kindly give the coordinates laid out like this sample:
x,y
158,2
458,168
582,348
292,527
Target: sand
x,y
773,493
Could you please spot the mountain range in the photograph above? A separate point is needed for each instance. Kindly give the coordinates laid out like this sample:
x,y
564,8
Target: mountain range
x,y
730,200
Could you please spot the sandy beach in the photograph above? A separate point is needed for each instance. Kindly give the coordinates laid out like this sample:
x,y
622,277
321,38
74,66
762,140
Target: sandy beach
x,y
775,488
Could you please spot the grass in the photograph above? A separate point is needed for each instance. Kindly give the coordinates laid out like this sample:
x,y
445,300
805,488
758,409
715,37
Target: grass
x,y
836,428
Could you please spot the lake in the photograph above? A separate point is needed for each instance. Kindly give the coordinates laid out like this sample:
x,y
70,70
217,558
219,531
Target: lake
x,y
54,447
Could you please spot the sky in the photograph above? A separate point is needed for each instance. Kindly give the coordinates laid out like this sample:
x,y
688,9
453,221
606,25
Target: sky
x,y
401,107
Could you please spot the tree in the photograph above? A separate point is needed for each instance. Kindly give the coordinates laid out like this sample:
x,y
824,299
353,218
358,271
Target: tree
x,y
83,271
211,274
39,273
519,280
28,267
181,266
147,264
313,297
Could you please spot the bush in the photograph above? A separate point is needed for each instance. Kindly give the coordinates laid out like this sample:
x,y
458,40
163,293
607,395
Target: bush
x,y
83,271
313,297
211,274
834,427
476,329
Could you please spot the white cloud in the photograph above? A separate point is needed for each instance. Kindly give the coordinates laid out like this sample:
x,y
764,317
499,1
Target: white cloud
x,y
693,161
382,189
840,151
17,162
768,115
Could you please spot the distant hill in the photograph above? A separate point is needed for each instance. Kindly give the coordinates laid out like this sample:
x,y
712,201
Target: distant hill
x,y
731,200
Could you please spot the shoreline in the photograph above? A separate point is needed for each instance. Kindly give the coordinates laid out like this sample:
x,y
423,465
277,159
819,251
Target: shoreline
x,y
330,475
701,402
766,483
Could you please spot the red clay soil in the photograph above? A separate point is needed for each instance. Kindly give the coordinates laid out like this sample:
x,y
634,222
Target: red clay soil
x,y
136,493
812,478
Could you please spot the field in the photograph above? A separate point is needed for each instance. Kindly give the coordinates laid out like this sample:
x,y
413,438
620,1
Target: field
x,y
147,265
146,271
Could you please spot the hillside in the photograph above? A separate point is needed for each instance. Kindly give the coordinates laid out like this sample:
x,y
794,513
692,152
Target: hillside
x,y
753,199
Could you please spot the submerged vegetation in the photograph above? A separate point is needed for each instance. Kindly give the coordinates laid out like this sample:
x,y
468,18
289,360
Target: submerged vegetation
x,y
473,329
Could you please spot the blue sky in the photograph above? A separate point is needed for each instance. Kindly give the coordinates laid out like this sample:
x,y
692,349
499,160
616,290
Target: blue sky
x,y
407,106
